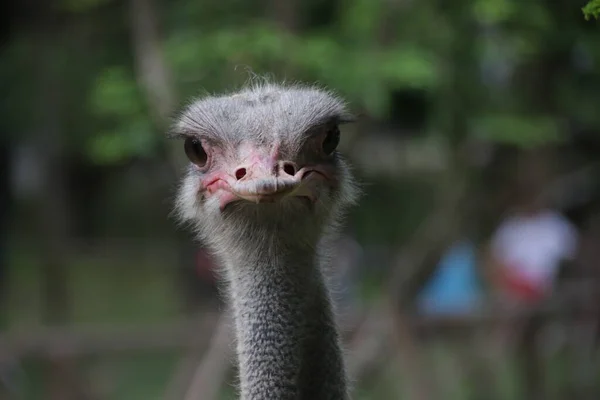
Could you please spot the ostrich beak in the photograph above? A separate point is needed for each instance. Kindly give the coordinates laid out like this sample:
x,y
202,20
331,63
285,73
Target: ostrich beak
x,y
266,182
266,191
272,190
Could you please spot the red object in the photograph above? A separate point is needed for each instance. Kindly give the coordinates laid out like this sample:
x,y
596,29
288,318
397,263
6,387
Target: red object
x,y
520,287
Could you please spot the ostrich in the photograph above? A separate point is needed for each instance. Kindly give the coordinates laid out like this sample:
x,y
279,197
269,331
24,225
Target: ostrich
x,y
265,189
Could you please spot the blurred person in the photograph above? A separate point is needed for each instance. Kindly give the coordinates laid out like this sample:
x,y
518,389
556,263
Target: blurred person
x,y
450,300
529,247
454,289
526,253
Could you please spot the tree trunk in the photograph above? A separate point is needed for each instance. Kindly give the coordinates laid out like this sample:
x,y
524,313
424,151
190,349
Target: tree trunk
x,y
54,211
152,72
154,78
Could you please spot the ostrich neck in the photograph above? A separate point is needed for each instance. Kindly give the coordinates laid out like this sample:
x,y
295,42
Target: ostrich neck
x,y
287,342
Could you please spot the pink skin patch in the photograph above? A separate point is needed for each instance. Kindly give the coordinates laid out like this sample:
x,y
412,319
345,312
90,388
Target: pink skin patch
x,y
218,186
263,183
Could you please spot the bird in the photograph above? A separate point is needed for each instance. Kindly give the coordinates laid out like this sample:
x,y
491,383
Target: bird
x,y
266,189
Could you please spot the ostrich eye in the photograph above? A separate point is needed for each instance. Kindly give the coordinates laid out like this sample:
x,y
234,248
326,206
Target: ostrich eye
x,y
195,152
331,141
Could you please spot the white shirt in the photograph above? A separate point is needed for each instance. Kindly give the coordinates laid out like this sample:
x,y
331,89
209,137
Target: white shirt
x,y
533,246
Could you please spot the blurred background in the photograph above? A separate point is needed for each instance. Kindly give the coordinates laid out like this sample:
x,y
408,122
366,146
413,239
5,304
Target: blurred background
x,y
470,270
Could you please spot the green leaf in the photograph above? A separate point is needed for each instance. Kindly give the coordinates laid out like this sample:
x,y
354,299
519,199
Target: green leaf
x,y
493,11
108,148
360,20
135,138
115,93
409,67
591,9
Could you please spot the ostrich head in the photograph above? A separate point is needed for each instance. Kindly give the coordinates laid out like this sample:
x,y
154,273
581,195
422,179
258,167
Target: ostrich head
x,y
264,161
264,189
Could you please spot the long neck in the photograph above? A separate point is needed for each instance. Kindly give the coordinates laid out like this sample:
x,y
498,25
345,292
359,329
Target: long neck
x,y
287,342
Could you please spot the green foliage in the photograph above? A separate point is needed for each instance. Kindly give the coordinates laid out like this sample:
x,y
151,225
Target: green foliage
x,y
115,96
409,68
320,58
134,138
115,93
592,9
366,50
493,12
521,130
360,21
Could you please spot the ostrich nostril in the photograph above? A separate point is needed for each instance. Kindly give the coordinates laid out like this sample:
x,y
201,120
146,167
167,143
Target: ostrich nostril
x,y
289,168
240,173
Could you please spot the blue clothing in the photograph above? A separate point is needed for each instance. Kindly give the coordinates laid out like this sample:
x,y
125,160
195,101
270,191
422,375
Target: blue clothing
x,y
454,287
